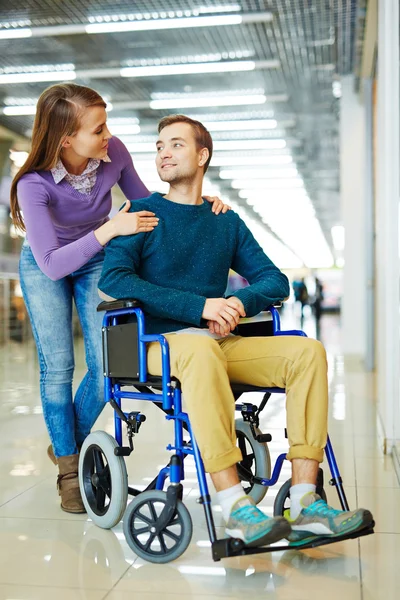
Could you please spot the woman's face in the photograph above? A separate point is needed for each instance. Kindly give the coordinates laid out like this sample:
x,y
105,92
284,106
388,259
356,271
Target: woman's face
x,y
91,139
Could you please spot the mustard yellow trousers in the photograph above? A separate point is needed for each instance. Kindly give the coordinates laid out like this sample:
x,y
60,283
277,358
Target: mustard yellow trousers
x,y
205,368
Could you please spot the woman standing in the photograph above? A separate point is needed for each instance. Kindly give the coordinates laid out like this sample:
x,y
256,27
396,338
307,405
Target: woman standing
x,y
61,197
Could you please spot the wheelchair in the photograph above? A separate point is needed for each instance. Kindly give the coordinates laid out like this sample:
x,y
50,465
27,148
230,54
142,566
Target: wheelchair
x,y
156,524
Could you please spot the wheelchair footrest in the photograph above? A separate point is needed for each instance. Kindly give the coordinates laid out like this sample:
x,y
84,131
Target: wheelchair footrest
x,y
235,547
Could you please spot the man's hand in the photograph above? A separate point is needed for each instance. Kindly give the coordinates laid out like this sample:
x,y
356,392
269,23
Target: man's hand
x,y
234,302
219,330
223,314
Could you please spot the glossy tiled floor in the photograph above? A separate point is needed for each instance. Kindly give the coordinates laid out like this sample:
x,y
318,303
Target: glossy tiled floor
x,y
46,554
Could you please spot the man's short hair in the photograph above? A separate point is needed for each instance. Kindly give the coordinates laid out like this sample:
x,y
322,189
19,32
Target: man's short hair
x,y
201,134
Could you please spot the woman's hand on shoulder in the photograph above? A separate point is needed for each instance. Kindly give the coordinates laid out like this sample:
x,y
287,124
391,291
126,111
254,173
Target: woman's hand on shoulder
x,y
129,223
126,223
218,205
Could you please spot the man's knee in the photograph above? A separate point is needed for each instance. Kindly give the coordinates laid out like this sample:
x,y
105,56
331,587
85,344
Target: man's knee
x,y
312,352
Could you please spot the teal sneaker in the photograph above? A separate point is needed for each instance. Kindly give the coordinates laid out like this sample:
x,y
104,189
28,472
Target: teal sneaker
x,y
250,524
317,519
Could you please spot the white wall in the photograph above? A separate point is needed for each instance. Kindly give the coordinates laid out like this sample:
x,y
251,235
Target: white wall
x,y
387,220
352,190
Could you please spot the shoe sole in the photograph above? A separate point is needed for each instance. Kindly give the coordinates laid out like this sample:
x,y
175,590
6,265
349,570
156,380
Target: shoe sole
x,y
279,531
366,522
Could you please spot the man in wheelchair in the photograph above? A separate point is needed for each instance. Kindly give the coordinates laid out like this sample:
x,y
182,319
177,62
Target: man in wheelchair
x,y
178,273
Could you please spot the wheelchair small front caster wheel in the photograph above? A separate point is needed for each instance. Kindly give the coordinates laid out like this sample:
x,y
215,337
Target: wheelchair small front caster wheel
x,y
256,461
145,537
103,480
282,499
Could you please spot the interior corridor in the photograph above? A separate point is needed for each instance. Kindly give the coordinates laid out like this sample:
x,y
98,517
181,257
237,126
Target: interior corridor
x,y
47,553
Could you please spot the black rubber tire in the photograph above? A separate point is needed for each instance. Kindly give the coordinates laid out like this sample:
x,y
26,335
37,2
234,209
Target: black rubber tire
x,y
258,460
105,503
282,499
140,517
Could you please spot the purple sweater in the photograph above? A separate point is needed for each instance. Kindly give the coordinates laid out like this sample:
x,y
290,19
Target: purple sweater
x,y
60,221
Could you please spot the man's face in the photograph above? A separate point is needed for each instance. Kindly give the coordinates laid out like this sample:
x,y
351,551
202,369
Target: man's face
x,y
178,158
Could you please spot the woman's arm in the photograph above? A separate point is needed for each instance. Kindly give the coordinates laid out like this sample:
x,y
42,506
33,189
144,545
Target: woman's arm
x,y
56,262
129,182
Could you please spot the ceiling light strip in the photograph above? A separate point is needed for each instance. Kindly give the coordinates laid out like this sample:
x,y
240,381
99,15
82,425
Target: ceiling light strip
x,y
37,77
138,24
147,71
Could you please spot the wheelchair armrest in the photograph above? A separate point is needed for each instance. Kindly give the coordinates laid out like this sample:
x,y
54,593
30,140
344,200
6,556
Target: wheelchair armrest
x,y
117,304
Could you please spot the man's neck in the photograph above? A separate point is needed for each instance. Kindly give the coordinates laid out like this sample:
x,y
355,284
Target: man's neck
x,y
185,193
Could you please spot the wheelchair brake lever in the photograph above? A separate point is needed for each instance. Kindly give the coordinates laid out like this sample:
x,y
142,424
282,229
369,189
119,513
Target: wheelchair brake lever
x,y
134,421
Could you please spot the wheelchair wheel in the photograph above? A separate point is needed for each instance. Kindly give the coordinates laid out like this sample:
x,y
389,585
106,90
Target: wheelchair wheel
x,y
256,460
103,480
141,532
282,499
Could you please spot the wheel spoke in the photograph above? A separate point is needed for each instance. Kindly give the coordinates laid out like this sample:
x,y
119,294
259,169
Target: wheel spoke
x,y
144,518
153,511
149,542
171,534
244,473
143,530
242,444
98,461
105,475
162,542
100,498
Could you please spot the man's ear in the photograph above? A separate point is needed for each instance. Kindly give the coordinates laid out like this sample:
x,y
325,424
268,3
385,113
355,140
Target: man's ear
x,y
204,154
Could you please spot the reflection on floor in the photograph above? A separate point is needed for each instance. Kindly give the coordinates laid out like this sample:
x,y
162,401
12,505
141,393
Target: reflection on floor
x,y
46,553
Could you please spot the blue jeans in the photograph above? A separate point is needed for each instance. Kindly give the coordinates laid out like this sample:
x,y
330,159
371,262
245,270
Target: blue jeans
x,y
49,305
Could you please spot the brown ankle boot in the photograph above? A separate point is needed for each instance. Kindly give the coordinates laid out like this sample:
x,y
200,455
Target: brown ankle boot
x,y
51,455
68,484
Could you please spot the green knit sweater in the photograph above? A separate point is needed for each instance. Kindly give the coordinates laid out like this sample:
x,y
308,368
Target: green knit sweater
x,y
185,260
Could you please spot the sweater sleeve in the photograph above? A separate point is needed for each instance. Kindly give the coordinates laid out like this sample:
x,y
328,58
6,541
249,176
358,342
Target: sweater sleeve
x,y
120,279
56,262
129,182
267,283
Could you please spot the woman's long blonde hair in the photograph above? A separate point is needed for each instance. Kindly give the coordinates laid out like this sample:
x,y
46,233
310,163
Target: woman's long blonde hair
x,y
58,113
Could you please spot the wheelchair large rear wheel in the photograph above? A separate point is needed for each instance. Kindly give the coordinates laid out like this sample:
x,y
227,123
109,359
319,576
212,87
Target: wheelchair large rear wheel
x,y
103,480
256,461
282,499
143,535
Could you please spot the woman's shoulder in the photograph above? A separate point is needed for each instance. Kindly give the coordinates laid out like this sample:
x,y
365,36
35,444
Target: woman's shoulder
x,y
31,179
117,149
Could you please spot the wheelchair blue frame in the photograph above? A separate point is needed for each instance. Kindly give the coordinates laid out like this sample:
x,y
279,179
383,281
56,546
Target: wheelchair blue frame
x,y
170,401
